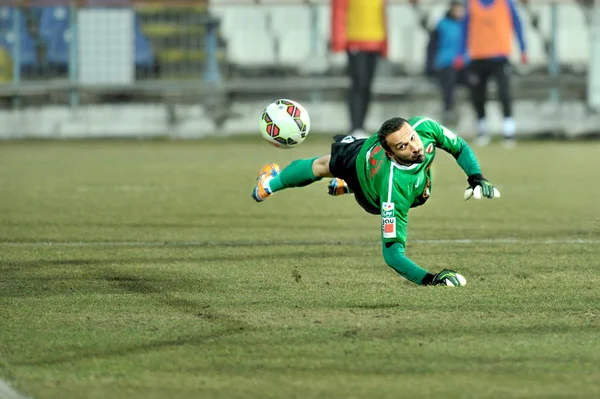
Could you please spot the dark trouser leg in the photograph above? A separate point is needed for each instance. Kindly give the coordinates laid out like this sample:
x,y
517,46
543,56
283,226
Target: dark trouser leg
x,y
447,83
502,73
448,80
361,65
372,58
478,77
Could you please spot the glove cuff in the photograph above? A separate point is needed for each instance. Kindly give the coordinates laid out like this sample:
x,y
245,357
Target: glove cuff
x,y
474,179
428,279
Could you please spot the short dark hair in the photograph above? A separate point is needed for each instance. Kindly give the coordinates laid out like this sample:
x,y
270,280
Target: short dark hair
x,y
388,127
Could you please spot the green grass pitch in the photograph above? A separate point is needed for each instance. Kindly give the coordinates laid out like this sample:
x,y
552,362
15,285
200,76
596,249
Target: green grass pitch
x,y
145,270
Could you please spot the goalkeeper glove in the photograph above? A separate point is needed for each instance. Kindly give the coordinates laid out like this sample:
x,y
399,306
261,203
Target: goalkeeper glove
x,y
480,187
449,278
338,187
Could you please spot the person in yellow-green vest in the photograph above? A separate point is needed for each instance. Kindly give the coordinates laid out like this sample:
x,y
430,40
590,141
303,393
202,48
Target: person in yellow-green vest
x,y
487,43
359,28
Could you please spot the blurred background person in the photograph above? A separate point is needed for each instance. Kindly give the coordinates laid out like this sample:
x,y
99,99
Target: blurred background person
x,y
487,45
359,28
444,46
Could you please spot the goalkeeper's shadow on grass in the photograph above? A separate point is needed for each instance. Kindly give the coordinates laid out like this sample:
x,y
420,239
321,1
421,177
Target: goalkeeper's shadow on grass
x,y
162,297
46,286
26,266
219,221
29,279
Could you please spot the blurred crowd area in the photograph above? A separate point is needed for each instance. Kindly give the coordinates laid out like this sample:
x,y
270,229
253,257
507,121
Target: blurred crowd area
x,y
256,39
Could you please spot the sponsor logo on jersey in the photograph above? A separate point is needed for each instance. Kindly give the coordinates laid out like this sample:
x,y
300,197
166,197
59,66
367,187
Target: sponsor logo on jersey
x,y
388,227
429,148
374,162
387,210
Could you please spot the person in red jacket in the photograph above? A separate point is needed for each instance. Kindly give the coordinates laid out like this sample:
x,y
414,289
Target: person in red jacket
x,y
359,28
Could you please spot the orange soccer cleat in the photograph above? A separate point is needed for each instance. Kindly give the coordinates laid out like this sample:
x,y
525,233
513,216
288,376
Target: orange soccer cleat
x,y
262,190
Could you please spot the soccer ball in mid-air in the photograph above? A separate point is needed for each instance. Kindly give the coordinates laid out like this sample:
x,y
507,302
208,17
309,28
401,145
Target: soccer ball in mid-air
x,y
285,123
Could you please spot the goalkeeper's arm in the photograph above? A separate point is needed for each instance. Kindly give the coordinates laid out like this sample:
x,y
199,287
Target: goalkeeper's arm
x,y
468,162
466,159
393,254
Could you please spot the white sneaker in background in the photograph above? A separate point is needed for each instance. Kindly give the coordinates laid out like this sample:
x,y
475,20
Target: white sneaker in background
x,y
483,141
510,143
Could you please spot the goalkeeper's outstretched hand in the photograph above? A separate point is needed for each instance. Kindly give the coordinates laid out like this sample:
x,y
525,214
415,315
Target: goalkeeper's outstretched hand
x,y
450,278
479,187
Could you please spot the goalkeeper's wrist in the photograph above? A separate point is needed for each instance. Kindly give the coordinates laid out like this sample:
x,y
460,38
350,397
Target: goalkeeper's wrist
x,y
475,178
428,279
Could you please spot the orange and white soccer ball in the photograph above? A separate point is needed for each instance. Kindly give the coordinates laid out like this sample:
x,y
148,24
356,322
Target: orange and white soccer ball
x,y
285,123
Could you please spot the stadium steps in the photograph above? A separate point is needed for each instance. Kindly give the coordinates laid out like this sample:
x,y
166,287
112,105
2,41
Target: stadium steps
x,y
177,36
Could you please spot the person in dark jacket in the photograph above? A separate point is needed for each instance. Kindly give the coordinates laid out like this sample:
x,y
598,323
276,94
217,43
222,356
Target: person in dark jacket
x,y
444,46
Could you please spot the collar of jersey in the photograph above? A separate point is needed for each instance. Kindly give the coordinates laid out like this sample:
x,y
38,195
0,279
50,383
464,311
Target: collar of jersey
x,y
404,167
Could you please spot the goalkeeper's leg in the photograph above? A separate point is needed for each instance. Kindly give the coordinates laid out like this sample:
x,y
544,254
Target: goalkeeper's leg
x,y
299,173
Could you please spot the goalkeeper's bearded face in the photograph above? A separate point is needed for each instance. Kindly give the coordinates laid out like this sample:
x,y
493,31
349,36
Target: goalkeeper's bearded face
x,y
406,146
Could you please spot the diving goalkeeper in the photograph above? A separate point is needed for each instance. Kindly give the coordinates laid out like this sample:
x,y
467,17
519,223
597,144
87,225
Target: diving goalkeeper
x,y
389,173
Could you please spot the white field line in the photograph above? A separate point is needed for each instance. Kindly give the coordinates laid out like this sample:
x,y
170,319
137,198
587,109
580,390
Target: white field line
x,y
123,188
6,392
468,241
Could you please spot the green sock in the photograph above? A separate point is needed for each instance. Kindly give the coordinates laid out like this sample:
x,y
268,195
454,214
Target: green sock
x,y
297,174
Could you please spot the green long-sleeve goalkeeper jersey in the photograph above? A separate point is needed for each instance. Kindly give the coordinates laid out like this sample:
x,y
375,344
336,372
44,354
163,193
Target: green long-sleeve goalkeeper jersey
x,y
395,188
